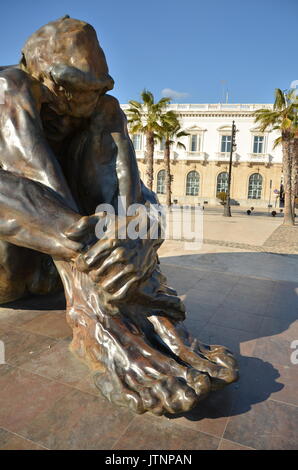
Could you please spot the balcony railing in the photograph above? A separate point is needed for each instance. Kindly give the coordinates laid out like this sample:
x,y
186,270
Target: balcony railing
x,y
259,158
158,155
194,156
223,156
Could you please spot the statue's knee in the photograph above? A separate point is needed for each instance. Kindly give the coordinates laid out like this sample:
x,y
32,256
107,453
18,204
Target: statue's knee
x,y
11,288
24,272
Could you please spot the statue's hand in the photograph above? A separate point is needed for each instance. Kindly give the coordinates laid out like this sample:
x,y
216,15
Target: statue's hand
x,y
118,265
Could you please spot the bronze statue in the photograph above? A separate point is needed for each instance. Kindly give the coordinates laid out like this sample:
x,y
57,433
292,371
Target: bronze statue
x,y
64,150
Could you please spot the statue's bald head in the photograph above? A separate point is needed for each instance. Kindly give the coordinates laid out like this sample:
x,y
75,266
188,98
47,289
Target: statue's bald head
x,y
67,51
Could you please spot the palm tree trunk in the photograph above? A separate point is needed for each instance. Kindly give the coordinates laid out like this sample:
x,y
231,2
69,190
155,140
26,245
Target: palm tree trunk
x,y
167,163
287,172
149,158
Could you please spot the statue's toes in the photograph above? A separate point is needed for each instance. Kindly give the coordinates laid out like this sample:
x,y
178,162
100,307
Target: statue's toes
x,y
171,395
228,367
164,395
200,382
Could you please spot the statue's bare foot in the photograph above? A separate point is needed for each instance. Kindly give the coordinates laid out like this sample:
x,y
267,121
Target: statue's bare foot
x,y
146,364
130,372
217,361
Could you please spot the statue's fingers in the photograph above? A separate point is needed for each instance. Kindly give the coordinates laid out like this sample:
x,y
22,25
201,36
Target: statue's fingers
x,y
117,278
109,262
83,226
123,291
99,251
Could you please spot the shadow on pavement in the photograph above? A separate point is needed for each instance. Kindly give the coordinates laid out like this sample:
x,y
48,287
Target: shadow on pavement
x,y
243,307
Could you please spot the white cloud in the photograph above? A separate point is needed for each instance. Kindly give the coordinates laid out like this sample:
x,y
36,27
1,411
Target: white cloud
x,y
174,94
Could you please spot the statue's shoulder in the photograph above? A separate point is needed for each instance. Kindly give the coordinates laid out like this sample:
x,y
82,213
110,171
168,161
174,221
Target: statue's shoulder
x,y
110,106
14,77
109,102
109,112
20,87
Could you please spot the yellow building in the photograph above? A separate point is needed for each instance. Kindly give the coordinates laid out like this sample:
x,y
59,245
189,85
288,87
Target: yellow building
x,y
200,171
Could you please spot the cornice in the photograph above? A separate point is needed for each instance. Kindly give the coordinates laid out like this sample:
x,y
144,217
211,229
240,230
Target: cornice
x,y
218,114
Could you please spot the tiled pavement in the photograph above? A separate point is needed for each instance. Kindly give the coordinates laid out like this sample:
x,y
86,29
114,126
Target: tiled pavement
x,y
48,400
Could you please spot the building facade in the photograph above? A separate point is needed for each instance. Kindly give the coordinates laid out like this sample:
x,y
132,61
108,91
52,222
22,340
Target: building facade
x,y
200,171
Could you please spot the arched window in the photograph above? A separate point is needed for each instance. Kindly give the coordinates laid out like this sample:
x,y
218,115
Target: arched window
x,y
192,183
222,182
161,180
255,186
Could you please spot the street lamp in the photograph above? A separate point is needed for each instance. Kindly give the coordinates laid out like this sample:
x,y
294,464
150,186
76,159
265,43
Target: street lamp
x,y
227,206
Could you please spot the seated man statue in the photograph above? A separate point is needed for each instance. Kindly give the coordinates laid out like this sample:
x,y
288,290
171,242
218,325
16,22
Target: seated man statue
x,y
64,150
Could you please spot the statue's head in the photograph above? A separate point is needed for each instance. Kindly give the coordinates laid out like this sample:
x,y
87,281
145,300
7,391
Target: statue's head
x,y
66,57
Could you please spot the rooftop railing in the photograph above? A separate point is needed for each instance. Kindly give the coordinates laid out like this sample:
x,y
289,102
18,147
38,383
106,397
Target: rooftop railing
x,y
214,106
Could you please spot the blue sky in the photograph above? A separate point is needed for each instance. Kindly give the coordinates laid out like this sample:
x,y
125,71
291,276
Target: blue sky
x,y
188,46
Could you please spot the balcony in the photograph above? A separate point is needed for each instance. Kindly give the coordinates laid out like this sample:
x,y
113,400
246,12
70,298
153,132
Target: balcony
x,y
195,156
159,155
263,158
140,154
192,156
223,156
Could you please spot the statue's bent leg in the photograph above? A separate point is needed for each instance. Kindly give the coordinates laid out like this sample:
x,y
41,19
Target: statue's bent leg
x,y
24,272
158,369
129,369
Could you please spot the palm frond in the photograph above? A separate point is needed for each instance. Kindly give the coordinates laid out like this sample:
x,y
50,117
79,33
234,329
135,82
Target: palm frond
x,y
164,101
277,142
182,134
136,128
280,99
147,97
135,104
181,145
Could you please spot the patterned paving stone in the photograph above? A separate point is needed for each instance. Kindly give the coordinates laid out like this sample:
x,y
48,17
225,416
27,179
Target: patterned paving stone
x,y
58,363
10,441
229,445
146,432
24,395
52,324
21,346
267,425
78,421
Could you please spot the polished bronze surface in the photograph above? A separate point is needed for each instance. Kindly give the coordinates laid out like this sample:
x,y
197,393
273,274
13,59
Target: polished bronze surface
x,y
65,149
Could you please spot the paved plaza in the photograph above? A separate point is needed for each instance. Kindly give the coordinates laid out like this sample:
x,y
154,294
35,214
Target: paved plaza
x,y
240,290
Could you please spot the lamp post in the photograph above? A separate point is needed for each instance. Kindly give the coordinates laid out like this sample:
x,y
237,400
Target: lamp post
x,y
227,206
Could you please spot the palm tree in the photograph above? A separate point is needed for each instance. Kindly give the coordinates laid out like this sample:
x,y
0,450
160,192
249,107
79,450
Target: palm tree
x,y
145,118
169,133
283,118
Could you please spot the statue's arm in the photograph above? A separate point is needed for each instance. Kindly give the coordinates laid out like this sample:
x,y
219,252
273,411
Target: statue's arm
x,y
109,123
24,149
34,216
128,175
36,206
